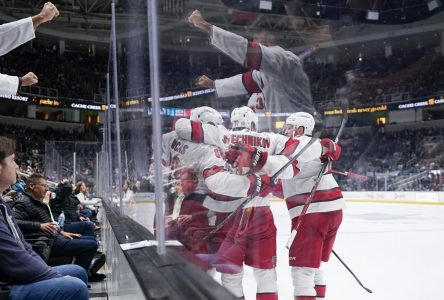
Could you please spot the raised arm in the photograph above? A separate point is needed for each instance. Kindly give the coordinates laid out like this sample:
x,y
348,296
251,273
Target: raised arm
x,y
16,33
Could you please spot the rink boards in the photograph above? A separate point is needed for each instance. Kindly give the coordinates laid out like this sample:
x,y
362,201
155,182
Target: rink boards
x,y
436,198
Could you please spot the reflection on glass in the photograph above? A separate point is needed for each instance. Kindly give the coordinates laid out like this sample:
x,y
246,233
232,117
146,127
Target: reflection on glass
x,y
245,85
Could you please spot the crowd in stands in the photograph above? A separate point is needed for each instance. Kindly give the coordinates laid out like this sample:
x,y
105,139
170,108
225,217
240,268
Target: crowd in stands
x,y
76,75
376,152
380,79
33,144
406,160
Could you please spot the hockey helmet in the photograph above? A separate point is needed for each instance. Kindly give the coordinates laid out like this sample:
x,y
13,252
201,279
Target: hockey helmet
x,y
303,119
243,117
205,115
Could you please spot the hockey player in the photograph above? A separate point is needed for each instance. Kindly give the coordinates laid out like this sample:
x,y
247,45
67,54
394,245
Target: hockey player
x,y
252,238
315,238
226,191
208,164
275,72
241,237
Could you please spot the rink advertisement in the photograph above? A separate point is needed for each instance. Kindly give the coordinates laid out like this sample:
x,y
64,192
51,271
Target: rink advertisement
x,y
55,102
423,103
356,110
433,101
396,197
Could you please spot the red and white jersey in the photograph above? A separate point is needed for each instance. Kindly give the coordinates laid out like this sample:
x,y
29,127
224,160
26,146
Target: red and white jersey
x,y
297,186
264,141
278,147
275,72
225,191
328,195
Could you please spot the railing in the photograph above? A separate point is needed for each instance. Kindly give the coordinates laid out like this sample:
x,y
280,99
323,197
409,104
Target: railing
x,y
411,179
40,91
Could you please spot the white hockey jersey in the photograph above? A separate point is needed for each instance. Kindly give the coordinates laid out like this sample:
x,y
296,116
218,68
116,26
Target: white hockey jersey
x,y
278,148
296,188
225,191
275,72
328,195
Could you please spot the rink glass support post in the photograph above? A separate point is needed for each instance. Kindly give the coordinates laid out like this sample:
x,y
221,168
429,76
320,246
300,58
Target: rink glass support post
x,y
97,168
109,144
157,133
116,101
74,166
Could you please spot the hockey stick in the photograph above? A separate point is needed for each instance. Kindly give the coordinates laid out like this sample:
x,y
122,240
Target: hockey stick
x,y
353,274
272,180
315,185
349,174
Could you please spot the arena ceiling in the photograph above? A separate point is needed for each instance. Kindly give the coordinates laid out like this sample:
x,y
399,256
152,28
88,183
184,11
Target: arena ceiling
x,y
89,21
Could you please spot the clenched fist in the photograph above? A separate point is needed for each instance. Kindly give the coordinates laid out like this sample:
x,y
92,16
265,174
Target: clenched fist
x,y
196,19
49,12
205,81
29,79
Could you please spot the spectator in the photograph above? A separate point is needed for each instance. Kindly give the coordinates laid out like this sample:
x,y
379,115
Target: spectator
x,y
128,193
22,271
34,216
66,202
81,192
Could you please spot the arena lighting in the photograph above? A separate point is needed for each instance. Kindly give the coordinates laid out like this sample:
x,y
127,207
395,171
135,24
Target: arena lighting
x,y
372,15
433,4
279,124
266,5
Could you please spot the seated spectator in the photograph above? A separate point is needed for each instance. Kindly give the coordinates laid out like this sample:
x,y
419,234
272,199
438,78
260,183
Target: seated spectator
x,y
128,193
22,272
81,192
66,202
186,218
34,216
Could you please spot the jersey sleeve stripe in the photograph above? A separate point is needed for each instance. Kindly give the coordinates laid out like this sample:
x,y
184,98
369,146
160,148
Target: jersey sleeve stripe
x,y
249,84
197,132
211,171
254,56
290,147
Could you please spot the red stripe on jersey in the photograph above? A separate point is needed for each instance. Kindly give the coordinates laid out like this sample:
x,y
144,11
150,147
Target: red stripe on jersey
x,y
254,56
320,290
196,132
224,198
211,171
266,296
249,84
319,196
290,147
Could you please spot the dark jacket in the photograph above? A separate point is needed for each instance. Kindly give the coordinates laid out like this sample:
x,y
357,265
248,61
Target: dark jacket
x,y
30,213
19,266
68,205
67,202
